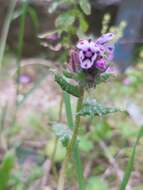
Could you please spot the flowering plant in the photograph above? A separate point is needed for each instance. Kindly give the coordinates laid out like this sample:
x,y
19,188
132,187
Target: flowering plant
x,y
88,63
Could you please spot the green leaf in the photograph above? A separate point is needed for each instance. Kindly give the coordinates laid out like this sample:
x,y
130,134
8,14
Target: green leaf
x,y
65,20
5,170
63,133
83,24
85,144
60,152
85,6
95,183
131,162
69,75
102,131
35,174
34,17
71,89
92,108
68,109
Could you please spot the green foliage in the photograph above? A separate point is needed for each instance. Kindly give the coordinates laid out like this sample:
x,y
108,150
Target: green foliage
x,y
68,108
34,17
83,25
102,130
60,152
95,183
63,133
85,6
5,30
35,174
71,89
16,181
76,152
92,108
131,162
85,144
65,20
5,170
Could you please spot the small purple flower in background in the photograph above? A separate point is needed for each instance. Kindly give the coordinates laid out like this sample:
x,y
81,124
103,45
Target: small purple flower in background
x,y
127,81
53,36
25,79
92,54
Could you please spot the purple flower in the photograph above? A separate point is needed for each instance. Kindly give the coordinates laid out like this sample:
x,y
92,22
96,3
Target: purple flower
x,y
127,81
88,51
101,64
74,64
90,58
52,36
25,79
105,38
92,55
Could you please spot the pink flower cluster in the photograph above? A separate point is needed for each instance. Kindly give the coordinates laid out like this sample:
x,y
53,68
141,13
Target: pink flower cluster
x,y
90,54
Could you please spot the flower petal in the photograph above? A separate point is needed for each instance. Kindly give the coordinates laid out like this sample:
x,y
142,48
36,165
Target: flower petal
x,y
74,62
86,64
105,38
83,45
93,58
81,56
93,46
101,64
110,50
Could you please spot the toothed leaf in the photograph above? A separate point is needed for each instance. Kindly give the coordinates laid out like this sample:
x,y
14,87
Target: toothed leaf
x,y
92,108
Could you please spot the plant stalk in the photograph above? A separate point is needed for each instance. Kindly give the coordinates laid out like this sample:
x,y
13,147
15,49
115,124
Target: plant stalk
x,y
71,144
56,140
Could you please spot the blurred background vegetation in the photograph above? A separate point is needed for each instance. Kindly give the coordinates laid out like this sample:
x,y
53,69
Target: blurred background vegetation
x,y
36,36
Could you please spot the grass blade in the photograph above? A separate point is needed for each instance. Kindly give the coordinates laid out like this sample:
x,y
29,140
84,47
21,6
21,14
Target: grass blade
x,y
20,42
6,169
76,155
5,30
68,110
131,162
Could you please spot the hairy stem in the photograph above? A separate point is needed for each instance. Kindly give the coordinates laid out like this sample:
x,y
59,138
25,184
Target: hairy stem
x,y
71,144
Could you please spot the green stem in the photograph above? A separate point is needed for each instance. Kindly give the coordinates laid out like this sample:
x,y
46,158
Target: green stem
x,y
19,54
56,140
76,154
71,144
5,29
20,45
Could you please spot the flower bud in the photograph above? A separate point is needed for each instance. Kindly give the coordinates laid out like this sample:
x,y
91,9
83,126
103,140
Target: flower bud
x,y
101,64
74,64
